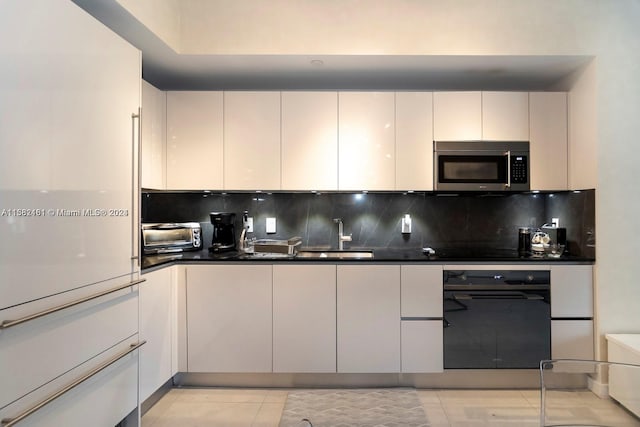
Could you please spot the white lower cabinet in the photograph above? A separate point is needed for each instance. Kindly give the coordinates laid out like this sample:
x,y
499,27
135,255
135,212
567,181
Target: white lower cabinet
x,y
42,356
304,318
422,349
157,323
229,318
572,312
49,346
368,318
421,310
572,339
103,399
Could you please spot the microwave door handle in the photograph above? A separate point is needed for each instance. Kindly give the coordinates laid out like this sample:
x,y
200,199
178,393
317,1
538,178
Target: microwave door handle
x,y
508,153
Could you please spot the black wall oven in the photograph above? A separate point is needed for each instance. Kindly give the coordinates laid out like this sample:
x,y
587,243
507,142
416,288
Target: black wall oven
x,y
496,319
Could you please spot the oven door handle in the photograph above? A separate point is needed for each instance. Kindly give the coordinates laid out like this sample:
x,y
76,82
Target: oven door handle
x,y
519,296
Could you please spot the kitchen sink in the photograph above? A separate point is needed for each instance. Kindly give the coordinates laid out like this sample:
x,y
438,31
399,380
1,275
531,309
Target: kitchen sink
x,y
364,254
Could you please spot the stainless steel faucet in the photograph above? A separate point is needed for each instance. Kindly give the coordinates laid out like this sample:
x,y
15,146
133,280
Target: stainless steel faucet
x,y
341,237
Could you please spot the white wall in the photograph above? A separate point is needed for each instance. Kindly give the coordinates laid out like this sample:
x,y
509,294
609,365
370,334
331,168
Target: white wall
x,y
607,30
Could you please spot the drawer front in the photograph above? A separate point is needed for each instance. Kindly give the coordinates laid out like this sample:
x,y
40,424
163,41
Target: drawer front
x,y
102,399
39,350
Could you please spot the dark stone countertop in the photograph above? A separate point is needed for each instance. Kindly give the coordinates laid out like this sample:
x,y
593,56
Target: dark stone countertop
x,y
380,255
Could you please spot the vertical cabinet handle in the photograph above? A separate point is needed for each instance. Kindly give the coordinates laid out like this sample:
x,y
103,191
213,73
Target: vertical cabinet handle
x,y
136,184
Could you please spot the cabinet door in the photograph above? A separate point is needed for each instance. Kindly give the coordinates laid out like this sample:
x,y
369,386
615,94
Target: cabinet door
x,y
505,116
304,318
103,399
414,141
156,327
37,351
421,291
457,116
571,291
252,140
366,141
572,339
309,140
548,140
422,346
368,318
229,315
66,151
194,140
153,144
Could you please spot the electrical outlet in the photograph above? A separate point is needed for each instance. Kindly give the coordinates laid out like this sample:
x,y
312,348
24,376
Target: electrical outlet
x,y
406,224
555,222
249,225
271,225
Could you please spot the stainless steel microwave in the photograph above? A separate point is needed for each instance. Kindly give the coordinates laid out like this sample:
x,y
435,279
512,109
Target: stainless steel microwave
x,y
481,165
171,237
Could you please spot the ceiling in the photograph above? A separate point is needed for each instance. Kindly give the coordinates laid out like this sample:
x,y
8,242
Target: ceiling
x,y
168,70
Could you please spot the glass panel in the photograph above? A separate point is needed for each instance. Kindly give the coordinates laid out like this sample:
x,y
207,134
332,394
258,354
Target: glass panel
x,y
483,169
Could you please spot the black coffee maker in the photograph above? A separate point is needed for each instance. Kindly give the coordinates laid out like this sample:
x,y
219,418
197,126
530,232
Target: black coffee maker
x,y
224,231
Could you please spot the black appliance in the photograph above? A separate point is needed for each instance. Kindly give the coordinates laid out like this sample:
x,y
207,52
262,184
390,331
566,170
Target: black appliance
x,y
224,231
481,165
496,319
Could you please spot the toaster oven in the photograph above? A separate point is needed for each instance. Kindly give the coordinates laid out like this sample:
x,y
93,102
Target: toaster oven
x,y
160,238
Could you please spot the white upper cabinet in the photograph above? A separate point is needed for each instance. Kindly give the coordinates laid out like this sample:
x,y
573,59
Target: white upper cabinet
x,y
252,140
457,116
309,140
153,150
548,136
505,116
414,141
194,140
366,141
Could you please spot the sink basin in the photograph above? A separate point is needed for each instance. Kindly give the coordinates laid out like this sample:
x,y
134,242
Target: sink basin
x,y
336,254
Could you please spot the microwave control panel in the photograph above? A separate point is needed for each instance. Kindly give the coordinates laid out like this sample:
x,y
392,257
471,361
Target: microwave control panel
x,y
519,169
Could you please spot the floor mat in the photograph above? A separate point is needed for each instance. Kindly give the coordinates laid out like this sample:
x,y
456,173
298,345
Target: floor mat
x,y
354,407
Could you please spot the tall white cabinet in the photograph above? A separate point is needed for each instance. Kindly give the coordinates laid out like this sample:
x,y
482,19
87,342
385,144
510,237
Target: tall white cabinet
x,y
366,139
69,105
194,140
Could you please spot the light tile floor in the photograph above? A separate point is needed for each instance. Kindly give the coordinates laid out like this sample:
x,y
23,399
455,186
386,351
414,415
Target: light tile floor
x,y
213,407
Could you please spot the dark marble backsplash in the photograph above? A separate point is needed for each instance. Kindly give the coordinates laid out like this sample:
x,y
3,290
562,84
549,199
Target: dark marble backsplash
x,y
374,219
